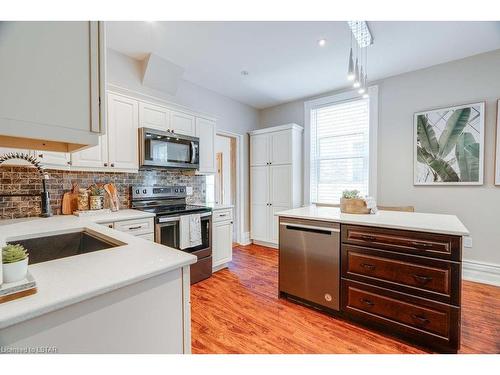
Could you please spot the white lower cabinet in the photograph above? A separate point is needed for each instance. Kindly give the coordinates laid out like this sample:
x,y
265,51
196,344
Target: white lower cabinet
x,y
260,222
143,228
222,238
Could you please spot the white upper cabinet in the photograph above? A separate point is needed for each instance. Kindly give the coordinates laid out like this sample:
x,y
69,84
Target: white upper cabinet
x,y
183,123
154,116
205,131
123,121
92,157
52,82
259,149
54,159
271,148
280,147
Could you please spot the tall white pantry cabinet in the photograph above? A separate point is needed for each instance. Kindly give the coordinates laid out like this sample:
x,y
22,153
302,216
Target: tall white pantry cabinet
x,y
275,178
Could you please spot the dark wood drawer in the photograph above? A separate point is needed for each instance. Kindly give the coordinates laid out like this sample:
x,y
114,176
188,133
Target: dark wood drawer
x,y
433,324
403,241
430,278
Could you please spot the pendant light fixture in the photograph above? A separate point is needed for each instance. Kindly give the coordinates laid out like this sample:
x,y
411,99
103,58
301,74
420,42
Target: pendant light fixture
x,y
361,89
357,72
350,69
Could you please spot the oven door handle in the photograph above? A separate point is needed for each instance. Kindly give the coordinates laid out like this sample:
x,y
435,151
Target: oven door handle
x,y
177,218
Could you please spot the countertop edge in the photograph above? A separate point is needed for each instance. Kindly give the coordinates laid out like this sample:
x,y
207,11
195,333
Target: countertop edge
x,y
369,224
85,296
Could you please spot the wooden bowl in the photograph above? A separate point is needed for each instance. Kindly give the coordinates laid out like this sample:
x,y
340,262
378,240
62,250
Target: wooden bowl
x,y
353,206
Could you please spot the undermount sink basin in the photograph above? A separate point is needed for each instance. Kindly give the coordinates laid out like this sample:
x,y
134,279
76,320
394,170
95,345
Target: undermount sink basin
x,y
43,249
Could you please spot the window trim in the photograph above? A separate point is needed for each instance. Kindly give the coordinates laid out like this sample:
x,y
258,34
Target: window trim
x,y
372,143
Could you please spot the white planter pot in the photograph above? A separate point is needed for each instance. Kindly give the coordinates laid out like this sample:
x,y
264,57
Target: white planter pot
x,y
13,272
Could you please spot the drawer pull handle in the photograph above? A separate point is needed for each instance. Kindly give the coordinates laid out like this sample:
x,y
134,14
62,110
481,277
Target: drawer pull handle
x,y
366,302
420,319
421,245
134,228
221,215
367,266
422,279
367,237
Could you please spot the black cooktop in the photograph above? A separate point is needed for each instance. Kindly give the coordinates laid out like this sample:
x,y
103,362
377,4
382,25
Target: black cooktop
x,y
172,210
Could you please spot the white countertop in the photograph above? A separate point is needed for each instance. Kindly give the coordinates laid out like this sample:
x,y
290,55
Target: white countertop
x,y
416,221
66,281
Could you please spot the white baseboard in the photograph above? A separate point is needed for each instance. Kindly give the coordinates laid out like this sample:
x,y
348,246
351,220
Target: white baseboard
x,y
245,239
266,244
486,273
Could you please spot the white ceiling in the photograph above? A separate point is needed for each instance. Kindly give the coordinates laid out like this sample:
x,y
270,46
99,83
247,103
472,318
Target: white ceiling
x,y
284,60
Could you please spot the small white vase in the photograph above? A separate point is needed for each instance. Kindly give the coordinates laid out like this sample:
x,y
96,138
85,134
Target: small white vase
x,y
13,272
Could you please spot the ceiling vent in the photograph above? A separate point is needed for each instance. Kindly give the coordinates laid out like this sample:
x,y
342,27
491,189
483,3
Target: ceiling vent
x,y
161,74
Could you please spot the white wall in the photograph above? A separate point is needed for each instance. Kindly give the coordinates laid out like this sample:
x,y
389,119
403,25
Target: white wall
x,y
472,79
231,115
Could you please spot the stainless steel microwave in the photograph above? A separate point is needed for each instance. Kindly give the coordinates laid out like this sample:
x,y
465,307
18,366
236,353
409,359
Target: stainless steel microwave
x,y
161,149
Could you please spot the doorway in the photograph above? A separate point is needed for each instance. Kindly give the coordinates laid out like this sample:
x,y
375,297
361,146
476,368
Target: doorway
x,y
224,187
225,176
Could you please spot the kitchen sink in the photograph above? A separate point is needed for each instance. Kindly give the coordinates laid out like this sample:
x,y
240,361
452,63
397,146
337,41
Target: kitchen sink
x,y
43,249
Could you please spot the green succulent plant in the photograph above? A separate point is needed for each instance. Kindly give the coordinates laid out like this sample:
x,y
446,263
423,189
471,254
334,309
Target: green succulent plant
x,y
350,194
13,253
432,151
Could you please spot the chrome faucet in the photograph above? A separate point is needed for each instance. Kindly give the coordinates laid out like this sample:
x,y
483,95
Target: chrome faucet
x,y
45,197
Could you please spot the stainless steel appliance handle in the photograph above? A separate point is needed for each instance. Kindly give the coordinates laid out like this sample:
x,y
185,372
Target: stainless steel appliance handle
x,y
177,218
302,226
192,153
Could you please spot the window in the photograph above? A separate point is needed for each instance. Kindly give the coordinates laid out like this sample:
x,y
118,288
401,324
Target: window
x,y
339,144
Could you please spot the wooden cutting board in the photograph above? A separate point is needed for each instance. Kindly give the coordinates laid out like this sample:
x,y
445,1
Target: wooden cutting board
x,y
70,201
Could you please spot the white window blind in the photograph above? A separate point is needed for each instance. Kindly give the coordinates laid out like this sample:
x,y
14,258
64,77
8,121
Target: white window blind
x,y
339,150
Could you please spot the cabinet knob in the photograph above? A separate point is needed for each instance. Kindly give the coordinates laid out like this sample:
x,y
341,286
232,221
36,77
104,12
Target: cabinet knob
x,y
113,165
69,162
40,155
105,164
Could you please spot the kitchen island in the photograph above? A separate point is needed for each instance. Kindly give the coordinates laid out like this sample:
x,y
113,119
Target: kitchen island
x,y
395,272
131,298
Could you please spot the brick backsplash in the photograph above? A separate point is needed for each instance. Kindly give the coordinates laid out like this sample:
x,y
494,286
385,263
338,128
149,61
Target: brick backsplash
x,y
25,180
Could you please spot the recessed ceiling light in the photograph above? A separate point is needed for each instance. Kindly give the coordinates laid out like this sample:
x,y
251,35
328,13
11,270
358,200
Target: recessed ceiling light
x,y
244,72
321,42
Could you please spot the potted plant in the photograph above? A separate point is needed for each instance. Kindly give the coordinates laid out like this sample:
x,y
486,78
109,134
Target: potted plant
x,y
15,263
352,203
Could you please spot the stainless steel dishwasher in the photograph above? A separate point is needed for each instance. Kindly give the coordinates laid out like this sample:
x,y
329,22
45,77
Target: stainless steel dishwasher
x,y
309,261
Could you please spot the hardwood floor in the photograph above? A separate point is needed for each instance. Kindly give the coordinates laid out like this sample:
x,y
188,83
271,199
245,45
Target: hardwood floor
x,y
237,311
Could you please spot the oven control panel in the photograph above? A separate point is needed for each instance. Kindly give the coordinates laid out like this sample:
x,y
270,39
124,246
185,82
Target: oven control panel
x,y
142,192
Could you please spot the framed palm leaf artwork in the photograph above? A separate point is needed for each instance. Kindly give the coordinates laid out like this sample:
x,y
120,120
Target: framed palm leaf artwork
x,y
449,146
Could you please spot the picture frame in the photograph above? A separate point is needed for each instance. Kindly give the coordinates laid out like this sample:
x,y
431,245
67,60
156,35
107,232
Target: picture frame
x,y
497,146
449,145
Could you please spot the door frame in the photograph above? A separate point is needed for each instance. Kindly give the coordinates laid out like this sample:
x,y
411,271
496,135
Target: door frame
x,y
238,209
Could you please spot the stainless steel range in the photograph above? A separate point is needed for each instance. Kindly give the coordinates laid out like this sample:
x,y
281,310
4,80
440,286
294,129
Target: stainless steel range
x,y
169,204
